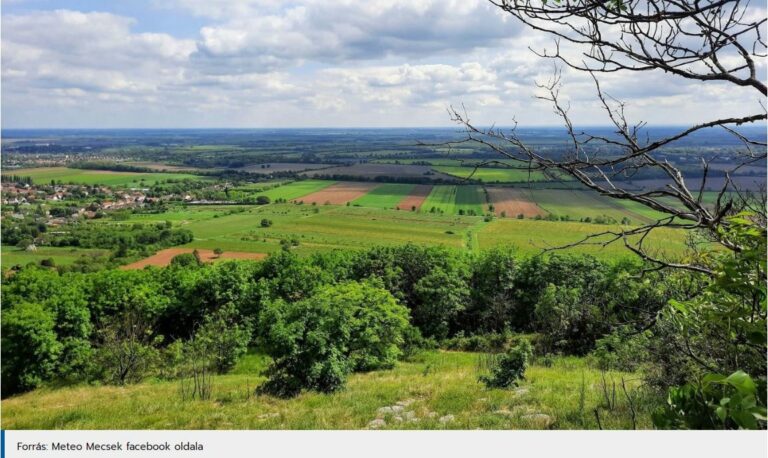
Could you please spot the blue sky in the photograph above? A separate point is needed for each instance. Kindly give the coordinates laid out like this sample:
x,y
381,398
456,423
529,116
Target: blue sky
x,y
316,63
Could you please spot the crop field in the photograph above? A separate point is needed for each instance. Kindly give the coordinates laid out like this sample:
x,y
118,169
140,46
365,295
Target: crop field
x,y
450,200
586,204
513,202
532,236
433,385
416,198
371,171
296,189
441,199
44,175
492,175
272,167
61,256
385,196
339,193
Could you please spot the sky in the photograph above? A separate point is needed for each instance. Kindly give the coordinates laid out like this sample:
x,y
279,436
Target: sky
x,y
305,63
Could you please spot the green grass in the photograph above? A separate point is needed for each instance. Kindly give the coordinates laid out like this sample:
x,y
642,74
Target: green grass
x,y
321,227
60,255
384,196
470,199
532,237
578,204
435,384
44,175
492,175
442,198
296,189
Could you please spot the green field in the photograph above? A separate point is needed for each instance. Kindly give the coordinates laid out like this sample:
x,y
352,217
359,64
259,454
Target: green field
x,y
434,385
44,175
442,198
470,199
384,196
296,189
61,256
532,236
588,204
491,175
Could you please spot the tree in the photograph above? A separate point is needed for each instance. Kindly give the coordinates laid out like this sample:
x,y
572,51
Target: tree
x,y
30,349
712,41
317,341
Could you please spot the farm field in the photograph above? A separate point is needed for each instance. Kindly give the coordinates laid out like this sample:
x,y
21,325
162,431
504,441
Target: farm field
x,y
163,257
449,199
61,256
371,171
433,385
339,193
513,202
532,236
416,197
44,175
385,196
273,167
492,175
296,189
321,228
586,204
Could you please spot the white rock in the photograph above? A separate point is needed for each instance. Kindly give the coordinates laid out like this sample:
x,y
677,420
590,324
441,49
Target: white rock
x,y
377,423
447,418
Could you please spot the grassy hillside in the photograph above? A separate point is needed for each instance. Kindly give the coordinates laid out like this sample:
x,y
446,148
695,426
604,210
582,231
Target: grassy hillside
x,y
439,388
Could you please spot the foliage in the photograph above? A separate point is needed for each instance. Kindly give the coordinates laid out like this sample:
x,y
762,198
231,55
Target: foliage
x,y
509,368
30,349
717,402
317,341
223,338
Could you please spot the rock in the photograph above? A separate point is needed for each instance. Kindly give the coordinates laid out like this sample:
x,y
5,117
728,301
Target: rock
x,y
520,391
385,411
431,414
406,402
377,423
538,420
446,418
410,416
504,412
397,409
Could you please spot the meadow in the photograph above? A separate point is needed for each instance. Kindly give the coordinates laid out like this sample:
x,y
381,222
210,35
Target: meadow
x,y
61,256
440,388
492,175
534,236
44,175
385,196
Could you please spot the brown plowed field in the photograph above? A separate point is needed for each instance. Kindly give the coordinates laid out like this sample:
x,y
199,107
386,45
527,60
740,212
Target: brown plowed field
x,y
163,257
339,193
513,202
417,197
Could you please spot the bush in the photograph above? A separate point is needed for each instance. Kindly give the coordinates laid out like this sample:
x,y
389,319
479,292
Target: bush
x,y
509,368
622,350
224,337
316,342
263,200
266,222
30,349
185,260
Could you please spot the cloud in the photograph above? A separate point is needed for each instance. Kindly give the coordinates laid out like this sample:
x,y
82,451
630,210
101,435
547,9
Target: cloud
x,y
311,63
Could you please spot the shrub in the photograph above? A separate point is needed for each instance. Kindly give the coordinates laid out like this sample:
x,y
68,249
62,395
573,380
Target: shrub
x,y
509,368
184,260
127,352
262,200
224,338
266,222
30,349
622,350
316,342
